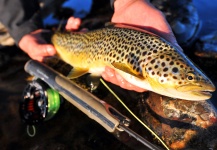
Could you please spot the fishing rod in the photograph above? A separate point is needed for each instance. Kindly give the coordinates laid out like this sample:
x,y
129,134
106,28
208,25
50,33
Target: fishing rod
x,y
93,107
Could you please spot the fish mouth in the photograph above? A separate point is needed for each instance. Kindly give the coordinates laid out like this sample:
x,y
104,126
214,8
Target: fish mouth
x,y
200,92
203,93
197,88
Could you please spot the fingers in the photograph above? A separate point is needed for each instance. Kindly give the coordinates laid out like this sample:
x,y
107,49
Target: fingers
x,y
73,23
112,76
40,51
35,46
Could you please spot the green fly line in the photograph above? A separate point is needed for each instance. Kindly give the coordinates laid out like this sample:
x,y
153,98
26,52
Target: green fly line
x,y
115,95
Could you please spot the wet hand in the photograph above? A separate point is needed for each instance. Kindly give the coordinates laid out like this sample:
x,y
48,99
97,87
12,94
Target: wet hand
x,y
35,46
112,76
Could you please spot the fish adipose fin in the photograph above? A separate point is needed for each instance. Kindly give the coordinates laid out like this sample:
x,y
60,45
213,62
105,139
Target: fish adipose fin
x,y
126,68
77,72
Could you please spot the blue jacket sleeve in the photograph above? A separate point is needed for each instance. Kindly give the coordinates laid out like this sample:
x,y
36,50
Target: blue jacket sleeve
x,y
19,17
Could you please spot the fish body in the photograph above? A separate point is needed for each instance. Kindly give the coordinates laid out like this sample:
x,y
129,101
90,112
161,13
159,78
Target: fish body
x,y
142,58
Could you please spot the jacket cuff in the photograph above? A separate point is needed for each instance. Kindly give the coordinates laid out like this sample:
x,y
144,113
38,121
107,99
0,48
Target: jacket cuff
x,y
22,30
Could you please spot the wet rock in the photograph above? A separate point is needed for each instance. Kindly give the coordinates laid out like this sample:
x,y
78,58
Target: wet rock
x,y
182,124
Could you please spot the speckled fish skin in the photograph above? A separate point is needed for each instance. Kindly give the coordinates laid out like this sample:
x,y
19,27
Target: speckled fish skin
x,y
142,58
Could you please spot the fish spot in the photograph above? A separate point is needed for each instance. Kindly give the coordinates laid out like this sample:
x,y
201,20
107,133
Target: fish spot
x,y
152,61
171,63
137,69
165,75
149,68
149,53
128,60
191,69
138,51
144,53
122,55
165,69
156,66
161,56
163,64
174,77
154,51
175,70
126,56
134,67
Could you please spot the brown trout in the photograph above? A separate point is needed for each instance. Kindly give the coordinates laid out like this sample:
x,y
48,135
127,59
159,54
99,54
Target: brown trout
x,y
142,58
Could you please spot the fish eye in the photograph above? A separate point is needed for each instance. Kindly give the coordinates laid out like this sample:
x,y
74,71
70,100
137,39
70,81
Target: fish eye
x,y
190,77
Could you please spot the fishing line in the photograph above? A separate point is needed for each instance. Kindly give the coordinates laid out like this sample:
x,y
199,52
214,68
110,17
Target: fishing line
x,y
140,121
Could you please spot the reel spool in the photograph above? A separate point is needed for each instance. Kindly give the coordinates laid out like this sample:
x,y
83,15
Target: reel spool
x,y
39,103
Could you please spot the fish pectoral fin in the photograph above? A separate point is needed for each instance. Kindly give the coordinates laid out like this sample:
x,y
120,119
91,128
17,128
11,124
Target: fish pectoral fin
x,y
77,72
126,68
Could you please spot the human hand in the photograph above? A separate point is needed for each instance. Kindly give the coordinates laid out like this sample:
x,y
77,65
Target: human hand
x,y
35,45
143,14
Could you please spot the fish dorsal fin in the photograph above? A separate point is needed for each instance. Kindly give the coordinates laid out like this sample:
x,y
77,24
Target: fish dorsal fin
x,y
110,24
77,72
126,68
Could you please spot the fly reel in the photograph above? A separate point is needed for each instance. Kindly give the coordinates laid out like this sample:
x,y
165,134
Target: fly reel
x,y
39,103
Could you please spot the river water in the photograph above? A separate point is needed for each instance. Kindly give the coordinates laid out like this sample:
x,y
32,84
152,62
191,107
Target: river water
x,y
207,11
